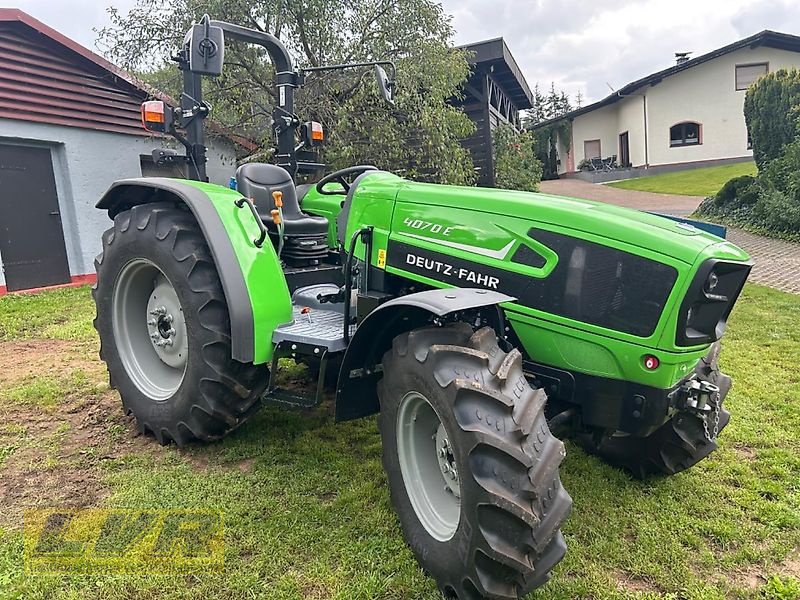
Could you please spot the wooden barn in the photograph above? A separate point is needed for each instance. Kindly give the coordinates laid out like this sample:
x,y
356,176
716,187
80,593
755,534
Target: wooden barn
x,y
495,93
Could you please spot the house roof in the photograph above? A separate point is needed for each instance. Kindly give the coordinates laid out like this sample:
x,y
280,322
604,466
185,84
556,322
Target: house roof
x,y
495,55
30,72
767,38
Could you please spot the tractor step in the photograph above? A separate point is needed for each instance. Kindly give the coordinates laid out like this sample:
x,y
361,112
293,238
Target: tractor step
x,y
317,329
289,398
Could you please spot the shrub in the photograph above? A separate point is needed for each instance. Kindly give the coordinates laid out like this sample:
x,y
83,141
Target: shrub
x,y
771,113
777,211
783,173
737,191
515,164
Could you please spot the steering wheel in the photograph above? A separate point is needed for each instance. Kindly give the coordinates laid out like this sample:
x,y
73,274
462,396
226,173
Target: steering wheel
x,y
341,177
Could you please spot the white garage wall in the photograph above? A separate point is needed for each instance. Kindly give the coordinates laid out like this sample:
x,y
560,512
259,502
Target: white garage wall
x,y
86,163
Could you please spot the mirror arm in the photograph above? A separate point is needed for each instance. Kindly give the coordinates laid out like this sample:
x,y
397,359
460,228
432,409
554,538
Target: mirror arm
x,y
383,63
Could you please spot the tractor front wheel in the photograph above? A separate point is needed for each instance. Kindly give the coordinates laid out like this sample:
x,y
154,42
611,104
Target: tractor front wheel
x,y
472,465
680,443
164,328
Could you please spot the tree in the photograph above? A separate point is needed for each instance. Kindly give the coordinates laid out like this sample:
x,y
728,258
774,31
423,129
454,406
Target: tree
x,y
772,114
419,137
549,107
515,164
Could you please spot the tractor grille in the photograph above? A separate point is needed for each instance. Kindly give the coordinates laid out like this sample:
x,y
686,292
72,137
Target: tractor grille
x,y
599,285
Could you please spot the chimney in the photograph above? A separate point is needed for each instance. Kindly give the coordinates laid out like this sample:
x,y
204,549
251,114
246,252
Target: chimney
x,y
681,57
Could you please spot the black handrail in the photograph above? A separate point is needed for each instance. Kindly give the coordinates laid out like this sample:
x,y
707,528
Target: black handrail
x,y
259,241
348,274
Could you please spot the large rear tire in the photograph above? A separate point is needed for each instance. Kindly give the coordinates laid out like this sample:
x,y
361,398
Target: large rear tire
x,y
472,465
164,329
678,444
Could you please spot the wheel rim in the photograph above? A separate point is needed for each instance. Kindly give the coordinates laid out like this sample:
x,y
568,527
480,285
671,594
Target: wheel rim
x,y
428,466
149,329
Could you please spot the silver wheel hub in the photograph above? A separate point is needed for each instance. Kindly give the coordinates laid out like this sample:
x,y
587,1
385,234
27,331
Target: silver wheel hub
x,y
166,326
447,462
428,466
149,329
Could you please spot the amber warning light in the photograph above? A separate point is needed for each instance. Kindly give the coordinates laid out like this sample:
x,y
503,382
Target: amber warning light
x,y
312,134
156,116
317,133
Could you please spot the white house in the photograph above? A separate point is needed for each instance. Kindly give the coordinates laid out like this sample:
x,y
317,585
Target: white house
x,y
690,113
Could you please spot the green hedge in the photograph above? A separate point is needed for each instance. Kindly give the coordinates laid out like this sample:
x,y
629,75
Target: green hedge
x,y
772,113
771,201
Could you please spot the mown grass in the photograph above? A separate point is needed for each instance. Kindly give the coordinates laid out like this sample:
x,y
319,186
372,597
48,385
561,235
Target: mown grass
x,y
64,314
693,182
307,513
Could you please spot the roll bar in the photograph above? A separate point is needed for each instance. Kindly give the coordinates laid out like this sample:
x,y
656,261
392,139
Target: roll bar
x,y
203,54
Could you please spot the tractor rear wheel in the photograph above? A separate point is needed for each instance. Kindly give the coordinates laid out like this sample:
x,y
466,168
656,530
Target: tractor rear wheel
x,y
472,465
164,328
678,444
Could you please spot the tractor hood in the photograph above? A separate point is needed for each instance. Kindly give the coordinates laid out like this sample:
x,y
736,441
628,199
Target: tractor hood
x,y
651,232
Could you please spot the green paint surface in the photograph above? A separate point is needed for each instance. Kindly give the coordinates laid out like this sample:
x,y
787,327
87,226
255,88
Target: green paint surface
x,y
455,220
266,285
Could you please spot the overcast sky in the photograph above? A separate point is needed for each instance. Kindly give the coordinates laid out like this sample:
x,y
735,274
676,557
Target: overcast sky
x,y
581,45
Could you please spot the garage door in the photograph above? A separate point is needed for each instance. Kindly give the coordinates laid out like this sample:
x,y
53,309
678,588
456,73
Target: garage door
x,y
32,246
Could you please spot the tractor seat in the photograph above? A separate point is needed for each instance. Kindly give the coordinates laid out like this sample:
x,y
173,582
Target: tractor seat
x,y
259,180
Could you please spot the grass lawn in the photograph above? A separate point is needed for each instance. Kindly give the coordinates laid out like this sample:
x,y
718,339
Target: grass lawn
x,y
695,182
307,511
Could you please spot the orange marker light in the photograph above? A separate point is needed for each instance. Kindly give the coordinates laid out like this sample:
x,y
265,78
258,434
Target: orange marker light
x,y
153,114
277,196
317,132
276,216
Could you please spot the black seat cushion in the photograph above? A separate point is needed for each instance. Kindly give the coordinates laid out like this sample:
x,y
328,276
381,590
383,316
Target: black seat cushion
x,y
259,180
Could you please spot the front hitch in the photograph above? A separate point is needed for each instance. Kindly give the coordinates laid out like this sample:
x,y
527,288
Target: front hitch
x,y
703,399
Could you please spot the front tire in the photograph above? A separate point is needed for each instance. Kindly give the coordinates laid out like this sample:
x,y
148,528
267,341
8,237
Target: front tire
x,y
164,329
472,465
678,444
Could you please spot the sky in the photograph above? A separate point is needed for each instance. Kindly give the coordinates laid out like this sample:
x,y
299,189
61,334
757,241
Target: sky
x,y
586,46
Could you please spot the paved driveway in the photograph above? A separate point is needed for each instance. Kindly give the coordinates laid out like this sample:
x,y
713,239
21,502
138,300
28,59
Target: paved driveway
x,y
777,263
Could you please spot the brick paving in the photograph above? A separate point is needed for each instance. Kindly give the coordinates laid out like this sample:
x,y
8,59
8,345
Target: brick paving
x,y
777,263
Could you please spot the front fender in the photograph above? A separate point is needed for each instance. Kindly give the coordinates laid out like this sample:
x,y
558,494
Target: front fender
x,y
255,289
356,391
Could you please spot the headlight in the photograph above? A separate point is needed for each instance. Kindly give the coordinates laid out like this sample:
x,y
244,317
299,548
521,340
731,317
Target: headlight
x,y
709,300
712,282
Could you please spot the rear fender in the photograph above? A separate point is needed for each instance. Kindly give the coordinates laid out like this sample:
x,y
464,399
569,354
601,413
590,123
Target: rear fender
x,y
255,289
356,389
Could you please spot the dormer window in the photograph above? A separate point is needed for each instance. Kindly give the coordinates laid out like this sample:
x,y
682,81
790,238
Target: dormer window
x,y
687,133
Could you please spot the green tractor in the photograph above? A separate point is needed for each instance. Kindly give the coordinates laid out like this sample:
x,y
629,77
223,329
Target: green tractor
x,y
476,322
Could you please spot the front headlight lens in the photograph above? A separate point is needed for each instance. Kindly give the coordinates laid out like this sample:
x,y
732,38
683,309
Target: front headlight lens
x,y
712,282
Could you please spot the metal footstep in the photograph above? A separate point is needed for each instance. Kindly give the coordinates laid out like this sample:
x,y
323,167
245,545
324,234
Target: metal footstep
x,y
288,398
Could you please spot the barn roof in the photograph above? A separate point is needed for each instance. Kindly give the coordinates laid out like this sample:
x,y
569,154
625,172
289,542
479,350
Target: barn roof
x,y
46,77
767,38
495,56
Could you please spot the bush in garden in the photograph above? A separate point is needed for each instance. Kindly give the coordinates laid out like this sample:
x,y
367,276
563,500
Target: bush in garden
x,y
772,113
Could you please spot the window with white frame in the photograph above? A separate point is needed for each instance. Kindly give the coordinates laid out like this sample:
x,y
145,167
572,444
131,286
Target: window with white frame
x,y
591,149
747,74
